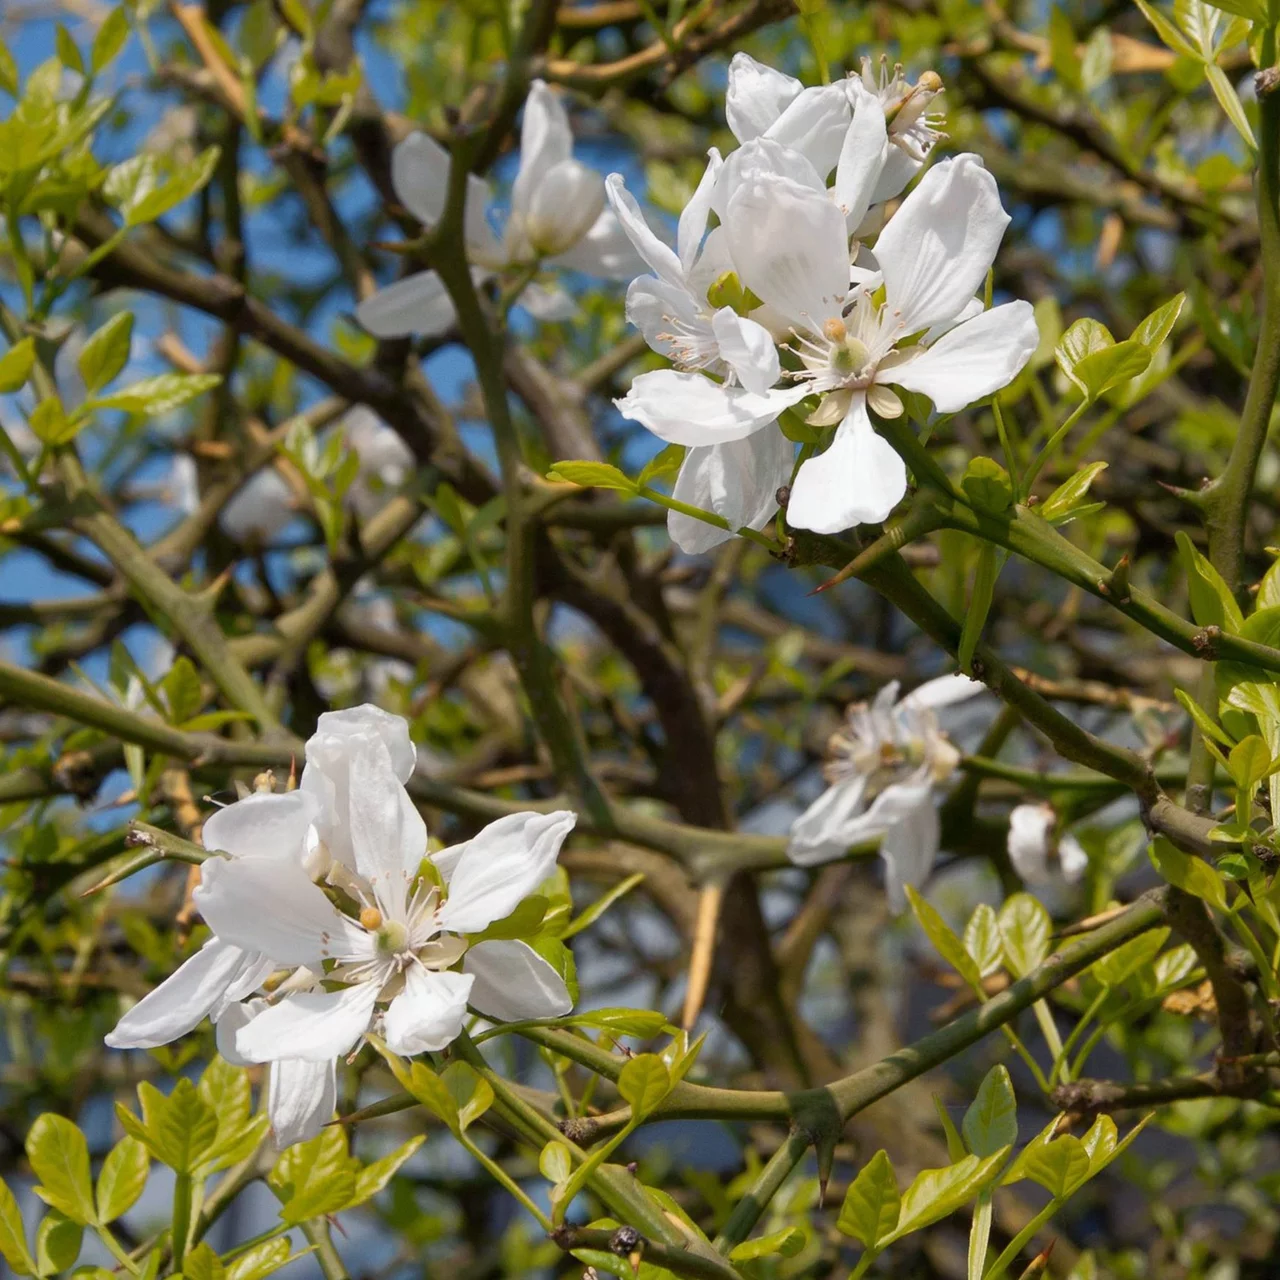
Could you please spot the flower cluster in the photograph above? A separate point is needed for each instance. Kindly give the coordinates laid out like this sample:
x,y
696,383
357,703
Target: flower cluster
x,y
557,218
883,770
785,301
330,920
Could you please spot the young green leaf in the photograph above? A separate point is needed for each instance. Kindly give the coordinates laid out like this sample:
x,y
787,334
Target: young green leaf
x,y
1060,1166
261,1261
643,1083
1188,873
1159,324
944,938
593,475
991,1122
13,1239
1067,499
1101,370
107,352
374,1177
16,365
472,1093
872,1204
956,1150
1201,717
59,1157
109,40
122,1179
1084,338
314,1178
937,1193
1212,604
982,939
555,1163
58,1241
1024,928
158,395
786,1243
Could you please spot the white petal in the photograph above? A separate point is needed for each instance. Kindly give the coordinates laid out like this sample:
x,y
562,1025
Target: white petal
x,y
269,905
747,348
315,1026
181,1001
974,307
858,480
417,304
791,248
334,728
1030,826
428,1014
910,841
944,691
497,869
545,140
973,360
738,481
936,250
661,257
547,304
693,218
1072,859
564,207
819,833
861,157
756,96
301,1097
262,826
652,305
686,408
513,982
388,836
898,168
763,158
814,125
261,508
228,1025
420,175
605,251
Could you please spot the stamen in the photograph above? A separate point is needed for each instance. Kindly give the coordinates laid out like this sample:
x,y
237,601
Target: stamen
x,y
371,918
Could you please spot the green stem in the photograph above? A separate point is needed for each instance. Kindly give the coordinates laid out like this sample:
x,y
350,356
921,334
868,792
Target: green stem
x,y
182,1190
317,1232
1051,446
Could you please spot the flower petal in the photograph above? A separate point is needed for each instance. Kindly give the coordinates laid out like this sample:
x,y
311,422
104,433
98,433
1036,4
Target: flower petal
x,y
861,156
417,304
936,250
314,1026
605,251
388,836
564,206
858,480
943,691
262,826
1072,859
747,348
420,175
763,158
497,869
819,833
686,408
301,1098
898,168
791,248
738,480
545,140
661,257
814,124
1030,826
756,96
428,1014
910,841
269,905
652,305
513,982
182,1000
693,219
972,360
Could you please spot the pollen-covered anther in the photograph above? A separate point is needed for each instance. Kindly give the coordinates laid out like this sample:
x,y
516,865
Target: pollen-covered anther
x,y
371,918
835,329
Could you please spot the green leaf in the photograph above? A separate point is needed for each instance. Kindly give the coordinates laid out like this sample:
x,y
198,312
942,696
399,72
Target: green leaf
x,y
937,1193
182,691
643,1083
58,1242
180,186
1101,370
987,485
178,1129
110,39
1100,1143
161,394
201,1263
944,939
1068,497
1212,604
1159,324
593,475
982,939
374,1177
68,54
990,561
122,1178
781,1244
1024,928
261,1261
50,424
1202,720
472,1093
554,1162
641,1023
16,365
59,1157
107,352
314,1178
1082,339
872,1204
1062,49
1188,873
666,462
955,1143
991,1122
1060,1166
1229,100
1249,762
224,1089
8,72
429,1090
13,1239
601,905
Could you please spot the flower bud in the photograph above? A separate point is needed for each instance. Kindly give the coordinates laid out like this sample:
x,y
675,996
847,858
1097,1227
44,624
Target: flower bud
x,y
564,206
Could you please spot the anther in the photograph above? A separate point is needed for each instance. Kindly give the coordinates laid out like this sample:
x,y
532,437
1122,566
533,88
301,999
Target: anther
x,y
835,329
371,918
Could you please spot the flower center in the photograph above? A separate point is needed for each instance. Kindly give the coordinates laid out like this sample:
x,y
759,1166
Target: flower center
x,y
391,938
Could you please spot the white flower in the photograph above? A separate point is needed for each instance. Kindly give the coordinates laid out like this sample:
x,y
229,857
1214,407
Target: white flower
x,y
912,131
386,462
882,774
557,216
1037,856
262,506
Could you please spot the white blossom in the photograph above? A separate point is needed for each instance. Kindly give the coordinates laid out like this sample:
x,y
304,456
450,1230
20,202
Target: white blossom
x,y
557,217
1038,856
882,772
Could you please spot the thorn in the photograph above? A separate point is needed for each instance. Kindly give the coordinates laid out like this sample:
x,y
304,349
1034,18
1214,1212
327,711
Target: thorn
x,y
1115,586
702,952
1040,1262
208,597
1190,496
